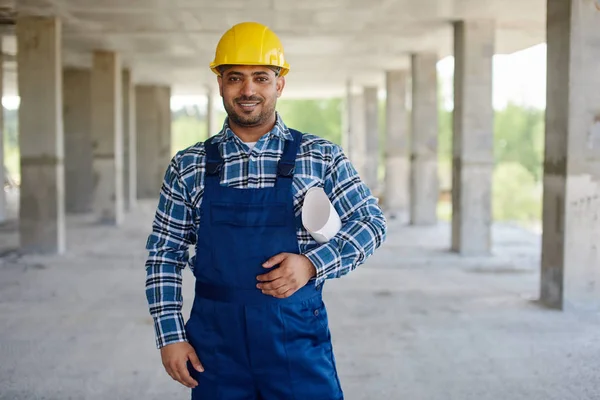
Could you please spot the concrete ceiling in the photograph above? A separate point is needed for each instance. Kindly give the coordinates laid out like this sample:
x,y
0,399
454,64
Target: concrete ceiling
x,y
327,42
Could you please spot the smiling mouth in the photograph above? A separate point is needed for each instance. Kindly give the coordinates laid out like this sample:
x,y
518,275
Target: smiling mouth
x,y
247,106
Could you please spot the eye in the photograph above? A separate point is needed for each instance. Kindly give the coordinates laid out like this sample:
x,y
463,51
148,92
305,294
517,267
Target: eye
x,y
233,79
262,79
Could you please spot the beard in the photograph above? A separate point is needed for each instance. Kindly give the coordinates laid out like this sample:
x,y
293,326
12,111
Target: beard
x,y
249,120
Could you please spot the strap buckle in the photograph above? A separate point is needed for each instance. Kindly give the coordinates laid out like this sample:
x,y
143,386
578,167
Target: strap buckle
x,y
285,169
214,168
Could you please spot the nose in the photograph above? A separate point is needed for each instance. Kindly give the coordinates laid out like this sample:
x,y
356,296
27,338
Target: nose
x,y
247,88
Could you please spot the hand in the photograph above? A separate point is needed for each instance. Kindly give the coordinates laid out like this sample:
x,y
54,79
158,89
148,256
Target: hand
x,y
293,273
174,358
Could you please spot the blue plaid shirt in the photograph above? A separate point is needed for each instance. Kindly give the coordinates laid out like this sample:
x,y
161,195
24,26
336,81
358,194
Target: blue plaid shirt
x,y
318,163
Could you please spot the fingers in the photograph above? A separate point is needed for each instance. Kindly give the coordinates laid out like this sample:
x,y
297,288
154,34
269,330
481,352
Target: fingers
x,y
272,285
175,357
179,372
282,282
195,362
273,275
282,292
277,259
184,375
171,372
281,288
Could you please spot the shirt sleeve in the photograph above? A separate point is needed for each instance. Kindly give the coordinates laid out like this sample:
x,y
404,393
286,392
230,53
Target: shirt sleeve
x,y
172,234
363,223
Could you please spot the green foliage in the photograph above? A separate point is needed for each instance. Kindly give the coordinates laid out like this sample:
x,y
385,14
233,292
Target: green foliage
x,y
518,147
518,157
517,196
445,122
519,137
189,126
186,130
321,117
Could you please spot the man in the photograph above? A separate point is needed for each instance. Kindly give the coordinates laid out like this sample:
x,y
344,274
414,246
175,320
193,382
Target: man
x,y
258,327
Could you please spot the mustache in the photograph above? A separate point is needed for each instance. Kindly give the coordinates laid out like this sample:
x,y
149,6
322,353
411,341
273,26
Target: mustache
x,y
248,98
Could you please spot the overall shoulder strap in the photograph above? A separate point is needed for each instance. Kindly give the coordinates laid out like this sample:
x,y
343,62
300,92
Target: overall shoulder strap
x,y
214,161
288,158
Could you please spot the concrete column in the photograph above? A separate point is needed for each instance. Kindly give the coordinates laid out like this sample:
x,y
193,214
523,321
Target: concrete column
x,y
570,274
357,134
153,118
107,135
371,164
473,137
129,143
210,114
397,162
424,181
347,120
79,177
42,196
3,205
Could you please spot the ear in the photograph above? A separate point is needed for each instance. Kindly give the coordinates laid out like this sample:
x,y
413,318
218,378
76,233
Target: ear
x,y
220,81
280,85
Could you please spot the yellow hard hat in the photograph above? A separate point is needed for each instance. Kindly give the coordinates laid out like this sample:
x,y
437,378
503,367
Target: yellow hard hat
x,y
250,43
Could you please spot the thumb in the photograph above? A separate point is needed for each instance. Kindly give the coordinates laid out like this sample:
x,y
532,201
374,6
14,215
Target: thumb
x,y
278,259
195,361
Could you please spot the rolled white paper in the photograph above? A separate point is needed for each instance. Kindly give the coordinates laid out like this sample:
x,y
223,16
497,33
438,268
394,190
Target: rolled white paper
x,y
319,216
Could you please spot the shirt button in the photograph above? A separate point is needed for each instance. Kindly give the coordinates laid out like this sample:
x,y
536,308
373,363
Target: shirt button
x,y
316,313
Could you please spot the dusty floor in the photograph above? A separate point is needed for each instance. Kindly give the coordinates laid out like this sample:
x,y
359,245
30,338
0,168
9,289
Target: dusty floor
x,y
415,322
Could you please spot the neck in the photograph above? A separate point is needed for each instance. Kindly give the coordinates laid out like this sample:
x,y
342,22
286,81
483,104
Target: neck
x,y
252,133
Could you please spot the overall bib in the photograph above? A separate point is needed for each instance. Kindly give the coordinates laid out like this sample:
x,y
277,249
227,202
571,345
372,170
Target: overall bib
x,y
254,346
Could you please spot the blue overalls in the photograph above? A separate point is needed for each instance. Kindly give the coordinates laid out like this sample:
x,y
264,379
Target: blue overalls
x,y
254,346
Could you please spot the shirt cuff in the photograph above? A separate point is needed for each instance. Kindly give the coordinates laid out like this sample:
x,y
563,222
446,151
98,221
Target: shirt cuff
x,y
169,328
324,258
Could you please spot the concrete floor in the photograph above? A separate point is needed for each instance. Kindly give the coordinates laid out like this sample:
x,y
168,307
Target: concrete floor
x,y
416,322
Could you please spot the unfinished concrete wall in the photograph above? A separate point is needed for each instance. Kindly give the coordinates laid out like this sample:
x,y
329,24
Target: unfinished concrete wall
x,y
347,120
129,143
357,140
571,228
371,163
42,196
3,205
153,120
79,177
107,136
397,161
473,137
424,181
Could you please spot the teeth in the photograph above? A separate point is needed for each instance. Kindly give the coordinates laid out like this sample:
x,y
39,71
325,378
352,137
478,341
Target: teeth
x,y
247,105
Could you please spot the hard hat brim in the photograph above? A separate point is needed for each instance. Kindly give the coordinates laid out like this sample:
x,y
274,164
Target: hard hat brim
x,y
284,69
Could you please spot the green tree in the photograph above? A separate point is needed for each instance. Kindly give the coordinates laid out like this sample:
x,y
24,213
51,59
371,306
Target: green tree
x,y
516,195
519,137
321,117
186,130
518,157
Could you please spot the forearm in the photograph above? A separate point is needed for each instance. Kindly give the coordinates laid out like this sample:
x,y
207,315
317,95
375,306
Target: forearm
x,y
165,300
172,234
358,238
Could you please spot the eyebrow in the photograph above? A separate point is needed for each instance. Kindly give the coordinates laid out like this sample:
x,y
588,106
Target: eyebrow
x,y
237,73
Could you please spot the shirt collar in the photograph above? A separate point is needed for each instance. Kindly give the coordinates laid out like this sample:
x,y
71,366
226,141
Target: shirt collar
x,y
280,130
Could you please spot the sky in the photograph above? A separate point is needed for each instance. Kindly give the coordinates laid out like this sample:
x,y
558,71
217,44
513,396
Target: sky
x,y
519,78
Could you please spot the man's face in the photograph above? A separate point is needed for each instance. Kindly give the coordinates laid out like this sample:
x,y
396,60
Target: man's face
x,y
250,94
